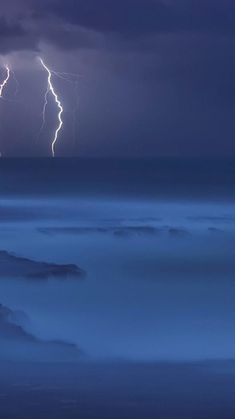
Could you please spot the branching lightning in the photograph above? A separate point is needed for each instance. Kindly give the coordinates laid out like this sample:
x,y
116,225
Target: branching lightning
x,y
51,89
45,108
17,84
3,85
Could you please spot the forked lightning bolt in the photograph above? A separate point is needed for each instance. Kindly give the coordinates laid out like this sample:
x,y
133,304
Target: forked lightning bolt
x,y
5,81
51,89
3,85
44,109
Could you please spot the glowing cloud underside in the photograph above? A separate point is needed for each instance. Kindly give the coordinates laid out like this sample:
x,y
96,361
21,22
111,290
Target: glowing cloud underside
x,y
51,89
3,85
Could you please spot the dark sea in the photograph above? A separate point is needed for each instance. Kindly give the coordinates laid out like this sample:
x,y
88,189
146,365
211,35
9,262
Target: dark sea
x,y
117,288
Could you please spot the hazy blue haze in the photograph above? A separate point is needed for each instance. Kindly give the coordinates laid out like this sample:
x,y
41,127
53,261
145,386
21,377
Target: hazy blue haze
x,y
157,244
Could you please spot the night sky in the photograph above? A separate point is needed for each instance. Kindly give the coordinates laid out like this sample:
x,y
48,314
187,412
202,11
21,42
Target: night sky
x,y
117,264
156,77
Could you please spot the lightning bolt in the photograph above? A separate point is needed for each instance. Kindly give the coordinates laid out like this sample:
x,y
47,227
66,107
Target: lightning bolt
x,y
5,81
3,85
51,89
17,84
45,108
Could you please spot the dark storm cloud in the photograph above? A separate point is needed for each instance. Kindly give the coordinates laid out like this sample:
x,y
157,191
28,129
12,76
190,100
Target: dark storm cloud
x,y
130,19
10,30
13,36
164,69
140,17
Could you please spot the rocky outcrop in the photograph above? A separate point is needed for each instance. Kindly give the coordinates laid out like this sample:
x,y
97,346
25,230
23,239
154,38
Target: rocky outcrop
x,y
15,266
14,339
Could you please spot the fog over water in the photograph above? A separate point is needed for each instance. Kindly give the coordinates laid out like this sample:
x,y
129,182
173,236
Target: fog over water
x,y
107,274
159,272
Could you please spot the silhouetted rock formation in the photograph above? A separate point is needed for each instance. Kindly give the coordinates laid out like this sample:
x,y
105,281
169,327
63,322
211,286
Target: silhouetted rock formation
x,y
16,266
15,340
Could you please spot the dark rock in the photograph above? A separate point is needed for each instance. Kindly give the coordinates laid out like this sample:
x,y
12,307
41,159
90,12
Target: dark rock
x,y
178,232
12,334
16,266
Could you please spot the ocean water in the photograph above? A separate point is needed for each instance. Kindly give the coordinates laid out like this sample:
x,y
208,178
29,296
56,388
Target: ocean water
x,y
153,318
